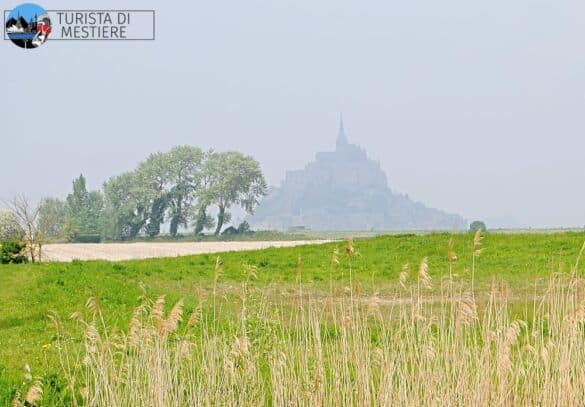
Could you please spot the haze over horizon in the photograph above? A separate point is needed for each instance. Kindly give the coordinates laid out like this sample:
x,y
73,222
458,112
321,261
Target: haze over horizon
x,y
472,108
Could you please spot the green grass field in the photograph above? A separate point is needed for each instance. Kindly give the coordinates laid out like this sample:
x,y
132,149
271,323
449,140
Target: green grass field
x,y
28,293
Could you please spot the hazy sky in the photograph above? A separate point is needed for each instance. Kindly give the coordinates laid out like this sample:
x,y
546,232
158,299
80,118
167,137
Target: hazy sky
x,y
473,107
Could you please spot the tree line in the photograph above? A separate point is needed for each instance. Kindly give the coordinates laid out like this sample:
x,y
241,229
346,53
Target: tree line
x,y
181,187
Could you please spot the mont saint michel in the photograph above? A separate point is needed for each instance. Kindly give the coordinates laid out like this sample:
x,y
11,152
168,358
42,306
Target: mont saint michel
x,y
345,190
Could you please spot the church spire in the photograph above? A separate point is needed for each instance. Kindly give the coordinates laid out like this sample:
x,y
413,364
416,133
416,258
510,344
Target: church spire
x,y
341,138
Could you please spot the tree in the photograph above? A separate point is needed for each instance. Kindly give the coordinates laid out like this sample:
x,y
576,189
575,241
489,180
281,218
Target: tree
x,y
179,186
244,227
95,212
85,208
202,219
157,215
35,233
186,174
78,200
138,200
53,214
233,178
208,178
10,228
477,225
127,206
153,176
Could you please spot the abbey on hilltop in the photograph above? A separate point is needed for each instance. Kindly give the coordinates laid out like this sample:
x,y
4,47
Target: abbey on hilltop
x,y
345,190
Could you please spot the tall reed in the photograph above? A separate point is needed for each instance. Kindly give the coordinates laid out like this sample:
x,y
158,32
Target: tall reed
x,y
455,348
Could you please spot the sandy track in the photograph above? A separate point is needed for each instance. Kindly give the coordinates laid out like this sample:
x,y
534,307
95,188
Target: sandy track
x,y
128,251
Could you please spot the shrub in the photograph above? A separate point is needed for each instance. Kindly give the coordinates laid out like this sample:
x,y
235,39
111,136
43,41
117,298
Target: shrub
x,y
229,231
477,225
9,227
244,227
12,252
87,239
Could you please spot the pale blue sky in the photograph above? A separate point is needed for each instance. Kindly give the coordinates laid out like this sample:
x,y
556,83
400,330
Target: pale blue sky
x,y
472,107
27,10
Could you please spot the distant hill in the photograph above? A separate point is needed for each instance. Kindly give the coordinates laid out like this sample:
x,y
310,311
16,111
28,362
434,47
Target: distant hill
x,y
345,190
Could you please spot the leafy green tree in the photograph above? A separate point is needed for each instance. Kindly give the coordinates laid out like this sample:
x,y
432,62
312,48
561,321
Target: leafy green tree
x,y
10,228
233,178
186,172
168,184
178,186
244,227
157,215
202,219
54,215
94,220
154,180
208,178
477,225
85,208
137,200
127,206
78,200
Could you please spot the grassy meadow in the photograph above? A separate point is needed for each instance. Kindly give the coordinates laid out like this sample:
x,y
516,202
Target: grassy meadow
x,y
329,324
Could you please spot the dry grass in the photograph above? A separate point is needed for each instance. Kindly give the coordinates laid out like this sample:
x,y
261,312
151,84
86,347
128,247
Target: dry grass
x,y
345,350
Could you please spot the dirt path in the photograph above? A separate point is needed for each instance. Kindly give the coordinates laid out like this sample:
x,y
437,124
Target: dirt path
x,y
129,251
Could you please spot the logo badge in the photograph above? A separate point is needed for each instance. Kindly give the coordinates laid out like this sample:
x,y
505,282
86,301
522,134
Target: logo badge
x,y
28,25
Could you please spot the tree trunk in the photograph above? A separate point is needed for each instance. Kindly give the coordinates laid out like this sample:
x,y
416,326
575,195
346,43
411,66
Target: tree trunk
x,y
176,219
135,228
31,250
220,218
174,226
156,217
201,218
31,243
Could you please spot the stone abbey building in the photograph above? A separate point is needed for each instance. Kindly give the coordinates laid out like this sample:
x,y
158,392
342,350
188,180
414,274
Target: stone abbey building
x,y
345,190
